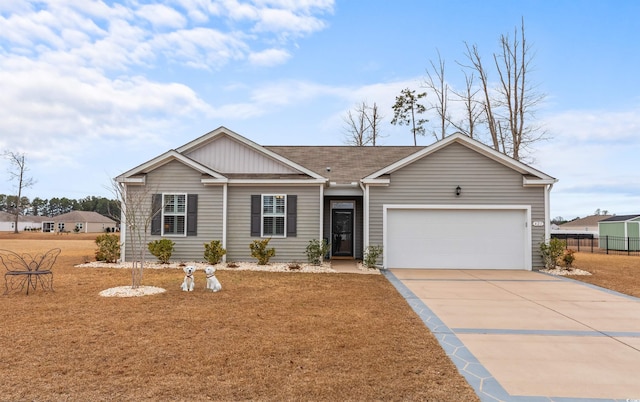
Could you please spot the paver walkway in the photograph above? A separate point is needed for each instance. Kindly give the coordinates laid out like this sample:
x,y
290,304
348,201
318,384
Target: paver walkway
x,y
529,336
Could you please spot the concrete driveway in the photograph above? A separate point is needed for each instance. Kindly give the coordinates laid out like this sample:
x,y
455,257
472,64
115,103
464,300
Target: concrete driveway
x,y
529,336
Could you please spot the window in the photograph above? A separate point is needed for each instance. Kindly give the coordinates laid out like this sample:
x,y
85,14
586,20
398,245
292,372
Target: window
x,y
273,215
79,226
174,214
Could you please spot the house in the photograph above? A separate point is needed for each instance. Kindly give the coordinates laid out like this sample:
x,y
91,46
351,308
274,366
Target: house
x,y
620,232
25,222
80,222
587,225
454,204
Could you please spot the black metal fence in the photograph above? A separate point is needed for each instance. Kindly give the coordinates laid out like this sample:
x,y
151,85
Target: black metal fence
x,y
606,244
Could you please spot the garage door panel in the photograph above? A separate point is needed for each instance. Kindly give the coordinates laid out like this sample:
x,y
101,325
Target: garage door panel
x,y
440,238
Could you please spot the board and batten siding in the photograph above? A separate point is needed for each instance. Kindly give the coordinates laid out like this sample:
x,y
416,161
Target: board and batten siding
x,y
175,177
289,249
433,179
226,155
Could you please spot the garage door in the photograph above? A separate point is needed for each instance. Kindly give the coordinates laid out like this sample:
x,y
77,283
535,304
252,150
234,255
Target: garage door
x,y
439,238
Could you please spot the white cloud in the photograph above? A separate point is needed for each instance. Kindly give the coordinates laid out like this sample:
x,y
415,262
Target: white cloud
x,y
269,57
162,16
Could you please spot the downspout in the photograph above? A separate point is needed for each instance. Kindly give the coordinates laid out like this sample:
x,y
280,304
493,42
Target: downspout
x,y
123,223
321,213
224,219
365,216
547,218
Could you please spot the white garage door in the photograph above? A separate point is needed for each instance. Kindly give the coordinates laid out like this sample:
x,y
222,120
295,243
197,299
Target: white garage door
x,y
457,238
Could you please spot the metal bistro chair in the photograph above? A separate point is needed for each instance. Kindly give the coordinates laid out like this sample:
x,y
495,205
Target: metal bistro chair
x,y
28,271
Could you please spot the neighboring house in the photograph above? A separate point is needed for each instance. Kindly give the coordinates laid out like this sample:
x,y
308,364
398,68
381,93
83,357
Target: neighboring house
x,y
620,232
454,204
587,225
81,222
25,222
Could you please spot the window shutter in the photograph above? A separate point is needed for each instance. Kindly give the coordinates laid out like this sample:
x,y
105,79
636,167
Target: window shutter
x,y
192,214
292,215
156,210
256,215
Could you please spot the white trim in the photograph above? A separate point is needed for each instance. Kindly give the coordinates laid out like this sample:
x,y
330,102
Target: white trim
x,y
526,208
162,215
190,146
468,142
165,158
365,217
275,215
376,182
321,214
141,180
225,211
537,182
275,182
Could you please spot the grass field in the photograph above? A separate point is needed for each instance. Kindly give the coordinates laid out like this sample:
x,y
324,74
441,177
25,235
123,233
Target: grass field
x,y
266,336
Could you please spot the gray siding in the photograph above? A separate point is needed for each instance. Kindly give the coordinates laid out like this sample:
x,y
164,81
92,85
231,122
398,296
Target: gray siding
x,y
175,177
287,249
433,179
226,155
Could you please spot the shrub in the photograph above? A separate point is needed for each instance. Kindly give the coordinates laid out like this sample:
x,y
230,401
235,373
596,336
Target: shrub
x,y
214,251
371,255
316,251
161,249
260,251
108,248
568,258
551,252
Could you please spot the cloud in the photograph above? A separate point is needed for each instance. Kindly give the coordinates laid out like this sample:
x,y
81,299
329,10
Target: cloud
x,y
269,57
162,16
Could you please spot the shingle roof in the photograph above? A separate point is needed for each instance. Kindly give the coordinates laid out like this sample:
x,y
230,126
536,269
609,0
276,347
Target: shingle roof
x,y
620,218
584,222
7,217
83,216
347,163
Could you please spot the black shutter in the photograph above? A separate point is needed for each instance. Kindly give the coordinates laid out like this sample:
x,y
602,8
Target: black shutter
x,y
256,214
156,210
192,214
292,215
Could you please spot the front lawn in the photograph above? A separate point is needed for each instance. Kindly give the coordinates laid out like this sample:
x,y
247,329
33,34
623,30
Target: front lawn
x,y
266,336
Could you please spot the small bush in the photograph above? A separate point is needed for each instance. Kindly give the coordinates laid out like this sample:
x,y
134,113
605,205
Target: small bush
x,y
108,248
316,251
161,249
371,255
260,251
214,251
568,258
551,252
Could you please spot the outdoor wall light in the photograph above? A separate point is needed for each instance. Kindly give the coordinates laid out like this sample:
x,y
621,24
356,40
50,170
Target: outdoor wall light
x,y
458,191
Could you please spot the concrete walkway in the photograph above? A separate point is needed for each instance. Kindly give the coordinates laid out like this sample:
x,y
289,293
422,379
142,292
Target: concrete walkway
x,y
529,336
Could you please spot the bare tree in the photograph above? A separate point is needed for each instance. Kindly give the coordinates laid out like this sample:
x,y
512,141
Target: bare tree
x,y
17,173
374,118
472,112
357,126
406,111
362,125
137,212
438,86
509,107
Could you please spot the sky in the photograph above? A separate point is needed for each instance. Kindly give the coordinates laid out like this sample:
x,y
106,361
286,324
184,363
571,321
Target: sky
x,y
90,89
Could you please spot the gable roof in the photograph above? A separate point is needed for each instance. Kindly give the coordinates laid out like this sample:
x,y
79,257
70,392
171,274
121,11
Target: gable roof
x,y
83,216
163,159
584,222
536,177
346,164
621,218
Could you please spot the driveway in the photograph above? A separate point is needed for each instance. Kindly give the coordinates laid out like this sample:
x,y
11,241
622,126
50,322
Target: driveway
x,y
529,336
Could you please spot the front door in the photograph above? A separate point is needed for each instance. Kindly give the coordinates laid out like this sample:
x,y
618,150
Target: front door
x,y
342,232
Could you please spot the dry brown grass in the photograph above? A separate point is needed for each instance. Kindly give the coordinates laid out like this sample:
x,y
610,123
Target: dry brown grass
x,y
616,272
266,336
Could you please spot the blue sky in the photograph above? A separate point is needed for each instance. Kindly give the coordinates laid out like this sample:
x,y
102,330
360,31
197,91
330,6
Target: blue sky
x,y
91,89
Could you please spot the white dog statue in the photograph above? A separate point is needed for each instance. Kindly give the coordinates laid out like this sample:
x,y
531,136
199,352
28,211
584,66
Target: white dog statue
x,y
212,281
189,282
